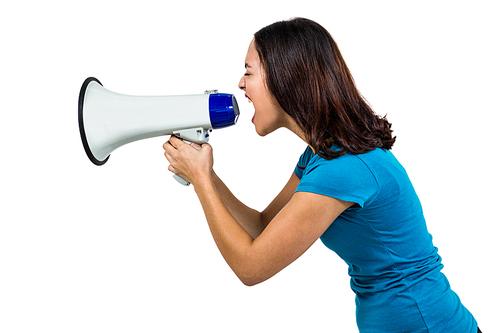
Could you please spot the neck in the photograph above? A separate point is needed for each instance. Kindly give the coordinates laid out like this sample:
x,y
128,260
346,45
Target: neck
x,y
294,128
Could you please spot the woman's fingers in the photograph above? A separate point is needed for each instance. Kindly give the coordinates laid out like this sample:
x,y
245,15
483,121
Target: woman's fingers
x,y
188,160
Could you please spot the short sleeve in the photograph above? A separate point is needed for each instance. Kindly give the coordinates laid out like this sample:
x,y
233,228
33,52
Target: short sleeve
x,y
303,162
345,178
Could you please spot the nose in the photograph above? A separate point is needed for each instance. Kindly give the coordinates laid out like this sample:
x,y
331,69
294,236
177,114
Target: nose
x,y
242,83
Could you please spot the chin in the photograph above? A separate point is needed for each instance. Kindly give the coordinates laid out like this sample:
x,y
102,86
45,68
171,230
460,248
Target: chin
x,y
260,133
264,131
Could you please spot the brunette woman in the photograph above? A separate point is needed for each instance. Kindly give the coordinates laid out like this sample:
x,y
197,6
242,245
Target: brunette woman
x,y
348,189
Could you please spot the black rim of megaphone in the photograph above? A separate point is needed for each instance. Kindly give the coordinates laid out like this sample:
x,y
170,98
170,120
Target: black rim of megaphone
x,y
82,126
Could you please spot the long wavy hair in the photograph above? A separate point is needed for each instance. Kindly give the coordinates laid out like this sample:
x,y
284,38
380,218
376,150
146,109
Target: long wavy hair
x,y
305,72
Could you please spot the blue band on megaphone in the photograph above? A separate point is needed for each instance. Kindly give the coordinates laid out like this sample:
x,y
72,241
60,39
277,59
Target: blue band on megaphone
x,y
224,110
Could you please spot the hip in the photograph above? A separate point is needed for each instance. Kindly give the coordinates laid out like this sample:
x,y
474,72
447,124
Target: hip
x,y
375,313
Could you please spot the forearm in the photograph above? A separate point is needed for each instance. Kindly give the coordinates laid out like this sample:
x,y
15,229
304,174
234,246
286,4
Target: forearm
x,y
231,238
249,219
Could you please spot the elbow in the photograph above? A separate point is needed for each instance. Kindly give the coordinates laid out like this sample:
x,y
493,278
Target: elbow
x,y
250,282
252,268
251,277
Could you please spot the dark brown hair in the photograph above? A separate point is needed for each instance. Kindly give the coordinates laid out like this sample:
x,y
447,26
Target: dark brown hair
x,y
305,72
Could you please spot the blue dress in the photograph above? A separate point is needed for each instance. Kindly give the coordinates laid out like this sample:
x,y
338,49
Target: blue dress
x,y
394,267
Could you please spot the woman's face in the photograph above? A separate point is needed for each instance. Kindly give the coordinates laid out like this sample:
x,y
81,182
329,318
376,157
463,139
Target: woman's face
x,y
269,116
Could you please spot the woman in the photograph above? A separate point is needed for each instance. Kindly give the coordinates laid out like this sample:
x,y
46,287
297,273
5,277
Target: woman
x,y
347,189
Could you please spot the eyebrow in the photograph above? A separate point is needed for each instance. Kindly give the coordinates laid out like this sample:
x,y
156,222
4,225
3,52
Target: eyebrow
x,y
247,65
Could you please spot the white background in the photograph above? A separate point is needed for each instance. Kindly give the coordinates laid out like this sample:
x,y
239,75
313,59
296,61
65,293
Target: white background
x,y
124,248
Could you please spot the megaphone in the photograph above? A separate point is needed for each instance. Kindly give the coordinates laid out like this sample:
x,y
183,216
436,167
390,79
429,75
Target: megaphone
x,y
109,120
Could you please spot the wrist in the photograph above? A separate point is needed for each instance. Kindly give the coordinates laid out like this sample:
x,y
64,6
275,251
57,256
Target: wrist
x,y
204,182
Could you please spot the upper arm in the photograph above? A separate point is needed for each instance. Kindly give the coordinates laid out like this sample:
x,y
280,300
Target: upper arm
x,y
290,233
281,200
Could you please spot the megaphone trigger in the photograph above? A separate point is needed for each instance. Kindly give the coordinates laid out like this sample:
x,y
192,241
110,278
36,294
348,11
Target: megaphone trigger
x,y
197,135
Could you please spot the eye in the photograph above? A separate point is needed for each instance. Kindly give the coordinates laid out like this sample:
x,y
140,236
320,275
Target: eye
x,y
247,74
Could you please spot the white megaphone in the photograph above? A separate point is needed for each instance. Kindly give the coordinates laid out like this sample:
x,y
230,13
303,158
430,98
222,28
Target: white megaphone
x,y
109,120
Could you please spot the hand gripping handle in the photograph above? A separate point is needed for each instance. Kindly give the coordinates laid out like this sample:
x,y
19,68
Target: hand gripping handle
x,y
197,135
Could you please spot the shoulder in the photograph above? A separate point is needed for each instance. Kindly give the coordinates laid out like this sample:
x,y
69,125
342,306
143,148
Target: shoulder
x,y
346,166
304,161
348,177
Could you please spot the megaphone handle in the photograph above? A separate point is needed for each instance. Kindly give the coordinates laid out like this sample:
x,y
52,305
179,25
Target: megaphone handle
x,y
181,180
177,177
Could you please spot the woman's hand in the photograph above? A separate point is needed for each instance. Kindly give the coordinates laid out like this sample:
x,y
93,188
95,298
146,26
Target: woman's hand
x,y
190,161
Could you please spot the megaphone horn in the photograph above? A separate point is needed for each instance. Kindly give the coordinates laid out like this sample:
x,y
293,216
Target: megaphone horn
x,y
109,120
